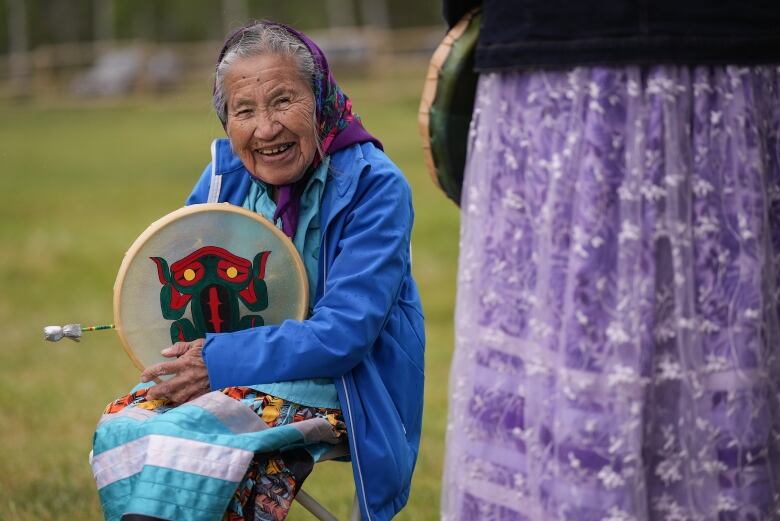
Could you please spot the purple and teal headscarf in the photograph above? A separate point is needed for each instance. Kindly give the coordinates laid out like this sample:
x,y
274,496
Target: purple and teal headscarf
x,y
338,126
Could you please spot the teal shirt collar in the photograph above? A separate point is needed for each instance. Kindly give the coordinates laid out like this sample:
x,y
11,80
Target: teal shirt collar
x,y
307,234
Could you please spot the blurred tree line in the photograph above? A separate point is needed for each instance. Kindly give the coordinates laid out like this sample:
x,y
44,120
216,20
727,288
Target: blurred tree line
x,y
28,24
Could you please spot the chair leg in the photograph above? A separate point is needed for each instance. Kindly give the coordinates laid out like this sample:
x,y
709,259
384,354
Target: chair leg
x,y
355,514
310,504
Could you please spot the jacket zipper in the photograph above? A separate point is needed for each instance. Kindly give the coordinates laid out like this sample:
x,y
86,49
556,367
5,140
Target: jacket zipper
x,y
215,183
357,458
359,479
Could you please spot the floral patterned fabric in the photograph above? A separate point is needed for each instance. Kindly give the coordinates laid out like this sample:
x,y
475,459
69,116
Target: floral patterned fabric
x,y
618,304
273,480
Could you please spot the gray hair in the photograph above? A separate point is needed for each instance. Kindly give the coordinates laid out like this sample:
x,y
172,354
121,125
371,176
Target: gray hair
x,y
255,40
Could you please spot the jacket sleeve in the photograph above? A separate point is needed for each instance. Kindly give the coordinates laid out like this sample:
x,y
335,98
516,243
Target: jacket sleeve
x,y
200,193
360,286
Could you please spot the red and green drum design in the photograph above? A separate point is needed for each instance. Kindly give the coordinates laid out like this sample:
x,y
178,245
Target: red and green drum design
x,y
212,281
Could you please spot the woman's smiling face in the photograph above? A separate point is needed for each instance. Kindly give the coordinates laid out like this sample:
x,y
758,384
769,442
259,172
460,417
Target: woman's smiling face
x,y
270,117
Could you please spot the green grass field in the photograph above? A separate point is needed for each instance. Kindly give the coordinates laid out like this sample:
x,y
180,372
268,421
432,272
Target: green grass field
x,y
80,182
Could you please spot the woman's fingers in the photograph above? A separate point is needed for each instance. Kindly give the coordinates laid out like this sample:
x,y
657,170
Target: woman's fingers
x,y
161,369
177,349
181,388
190,378
157,392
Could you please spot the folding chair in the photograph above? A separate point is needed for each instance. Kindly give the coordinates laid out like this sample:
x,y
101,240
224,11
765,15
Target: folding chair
x,y
320,512
313,506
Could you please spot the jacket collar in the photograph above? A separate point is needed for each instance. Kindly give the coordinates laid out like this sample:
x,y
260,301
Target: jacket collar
x,y
225,161
346,166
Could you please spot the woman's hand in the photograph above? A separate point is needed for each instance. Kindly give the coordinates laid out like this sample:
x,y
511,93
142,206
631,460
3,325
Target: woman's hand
x,y
191,377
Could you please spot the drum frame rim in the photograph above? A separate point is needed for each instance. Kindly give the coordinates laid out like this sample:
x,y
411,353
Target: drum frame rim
x,y
430,88
158,225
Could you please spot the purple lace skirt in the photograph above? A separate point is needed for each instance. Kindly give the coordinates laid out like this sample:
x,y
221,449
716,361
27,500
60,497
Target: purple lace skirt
x,y
617,324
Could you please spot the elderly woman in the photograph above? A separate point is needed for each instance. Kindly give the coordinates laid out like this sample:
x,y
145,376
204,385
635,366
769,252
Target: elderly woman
x,y
298,155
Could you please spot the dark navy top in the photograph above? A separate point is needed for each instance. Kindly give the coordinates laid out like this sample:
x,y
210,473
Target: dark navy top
x,y
549,33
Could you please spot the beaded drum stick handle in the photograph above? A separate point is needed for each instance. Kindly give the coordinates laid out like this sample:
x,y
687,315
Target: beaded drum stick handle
x,y
72,331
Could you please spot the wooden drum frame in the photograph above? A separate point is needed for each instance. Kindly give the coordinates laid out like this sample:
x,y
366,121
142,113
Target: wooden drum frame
x,y
210,267
447,103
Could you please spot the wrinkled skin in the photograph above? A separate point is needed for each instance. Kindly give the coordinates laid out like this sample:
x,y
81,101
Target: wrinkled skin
x,y
190,380
270,117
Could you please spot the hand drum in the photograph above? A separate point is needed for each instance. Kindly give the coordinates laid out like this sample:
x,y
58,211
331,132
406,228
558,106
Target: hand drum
x,y
446,105
206,268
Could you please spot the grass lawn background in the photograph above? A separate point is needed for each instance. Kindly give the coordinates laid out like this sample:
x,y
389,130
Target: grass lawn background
x,y
81,180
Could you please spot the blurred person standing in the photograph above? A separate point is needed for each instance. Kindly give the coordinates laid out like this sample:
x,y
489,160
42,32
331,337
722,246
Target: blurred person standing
x,y
617,323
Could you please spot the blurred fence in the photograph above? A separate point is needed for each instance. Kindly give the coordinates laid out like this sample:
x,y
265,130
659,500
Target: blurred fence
x,y
114,68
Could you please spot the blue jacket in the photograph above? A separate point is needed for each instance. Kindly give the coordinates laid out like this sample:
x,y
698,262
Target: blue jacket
x,y
366,328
